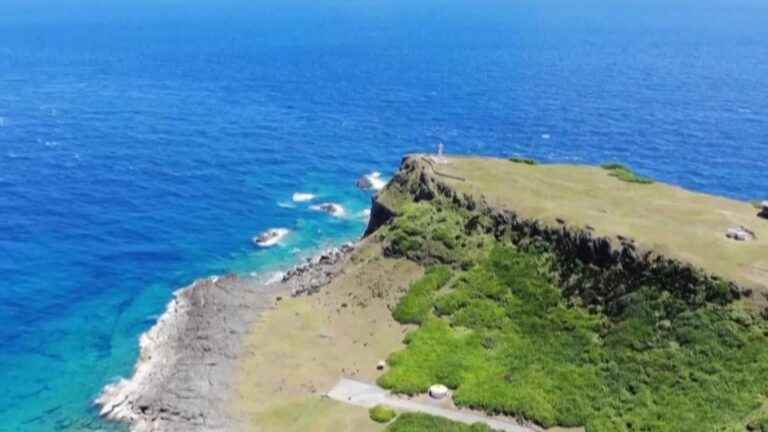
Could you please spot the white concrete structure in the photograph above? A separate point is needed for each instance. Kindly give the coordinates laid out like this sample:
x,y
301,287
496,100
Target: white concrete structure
x,y
438,391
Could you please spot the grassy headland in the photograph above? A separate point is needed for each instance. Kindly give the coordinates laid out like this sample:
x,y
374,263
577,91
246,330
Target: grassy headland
x,y
522,329
658,218
509,340
560,294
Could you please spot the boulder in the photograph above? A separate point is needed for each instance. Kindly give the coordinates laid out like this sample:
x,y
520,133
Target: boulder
x,y
332,209
763,210
438,391
740,234
364,182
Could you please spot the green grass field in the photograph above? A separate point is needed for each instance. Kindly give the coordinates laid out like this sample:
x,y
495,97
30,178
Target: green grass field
x,y
503,336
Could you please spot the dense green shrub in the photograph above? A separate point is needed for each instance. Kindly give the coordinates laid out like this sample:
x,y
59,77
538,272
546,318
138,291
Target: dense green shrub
x,y
522,160
382,414
416,305
506,339
412,422
624,173
430,235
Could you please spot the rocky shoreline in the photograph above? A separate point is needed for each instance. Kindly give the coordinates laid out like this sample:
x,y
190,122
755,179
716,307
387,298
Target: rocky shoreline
x,y
184,375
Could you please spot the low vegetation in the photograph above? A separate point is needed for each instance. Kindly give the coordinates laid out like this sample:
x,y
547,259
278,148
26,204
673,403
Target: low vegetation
x,y
431,235
411,422
522,160
504,336
624,173
417,305
382,414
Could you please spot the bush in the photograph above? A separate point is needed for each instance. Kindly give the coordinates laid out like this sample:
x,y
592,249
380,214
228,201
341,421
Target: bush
x,y
425,233
507,340
413,422
382,414
522,160
626,174
416,305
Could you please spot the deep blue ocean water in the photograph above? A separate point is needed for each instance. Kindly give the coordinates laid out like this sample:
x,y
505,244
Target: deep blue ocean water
x,y
143,144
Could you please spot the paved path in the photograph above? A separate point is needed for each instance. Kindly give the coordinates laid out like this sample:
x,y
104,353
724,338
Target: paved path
x,y
367,395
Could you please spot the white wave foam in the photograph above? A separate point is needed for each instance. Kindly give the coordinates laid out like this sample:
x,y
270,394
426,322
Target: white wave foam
x,y
333,209
274,278
271,237
365,214
546,136
376,180
303,197
283,204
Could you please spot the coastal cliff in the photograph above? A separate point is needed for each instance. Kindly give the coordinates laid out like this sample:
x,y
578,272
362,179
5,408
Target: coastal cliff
x,y
600,269
576,296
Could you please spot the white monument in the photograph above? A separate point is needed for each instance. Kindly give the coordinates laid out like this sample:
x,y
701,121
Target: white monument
x,y
440,158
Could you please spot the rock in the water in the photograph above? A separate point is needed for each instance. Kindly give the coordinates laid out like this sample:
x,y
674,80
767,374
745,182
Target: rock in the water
x,y
270,237
438,391
364,183
373,181
332,209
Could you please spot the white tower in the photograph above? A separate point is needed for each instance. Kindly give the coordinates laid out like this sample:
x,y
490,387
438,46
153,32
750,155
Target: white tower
x,y
440,158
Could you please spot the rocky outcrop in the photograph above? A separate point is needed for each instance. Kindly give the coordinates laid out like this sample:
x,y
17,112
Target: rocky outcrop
x,y
416,180
363,182
763,210
380,215
184,374
602,271
308,277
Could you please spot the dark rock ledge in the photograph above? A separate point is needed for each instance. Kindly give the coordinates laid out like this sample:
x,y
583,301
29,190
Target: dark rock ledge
x,y
184,375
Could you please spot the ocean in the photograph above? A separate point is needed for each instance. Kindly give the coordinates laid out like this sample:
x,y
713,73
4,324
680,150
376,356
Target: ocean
x,y
143,144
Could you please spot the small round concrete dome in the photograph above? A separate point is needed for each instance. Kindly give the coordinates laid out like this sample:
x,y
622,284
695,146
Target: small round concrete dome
x,y
438,391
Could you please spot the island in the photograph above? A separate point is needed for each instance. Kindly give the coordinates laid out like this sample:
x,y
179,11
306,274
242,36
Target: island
x,y
487,294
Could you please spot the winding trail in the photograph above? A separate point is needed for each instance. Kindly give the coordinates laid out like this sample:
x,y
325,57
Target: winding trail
x,y
366,395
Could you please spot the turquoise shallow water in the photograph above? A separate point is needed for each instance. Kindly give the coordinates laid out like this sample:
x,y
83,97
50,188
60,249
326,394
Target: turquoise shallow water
x,y
143,144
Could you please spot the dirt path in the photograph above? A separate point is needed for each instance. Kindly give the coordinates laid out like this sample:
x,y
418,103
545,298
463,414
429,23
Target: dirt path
x,y
367,395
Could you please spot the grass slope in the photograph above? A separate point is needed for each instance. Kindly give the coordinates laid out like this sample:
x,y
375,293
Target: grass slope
x,y
504,337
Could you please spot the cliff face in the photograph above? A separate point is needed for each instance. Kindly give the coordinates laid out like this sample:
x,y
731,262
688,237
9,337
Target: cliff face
x,y
602,271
